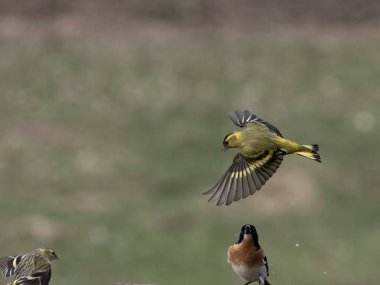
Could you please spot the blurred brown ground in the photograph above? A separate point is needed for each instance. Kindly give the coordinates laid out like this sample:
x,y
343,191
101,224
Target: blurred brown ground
x,y
250,14
160,19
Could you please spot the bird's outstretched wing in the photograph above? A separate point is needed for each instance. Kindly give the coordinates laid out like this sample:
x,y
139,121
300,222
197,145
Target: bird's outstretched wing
x,y
245,176
8,264
241,118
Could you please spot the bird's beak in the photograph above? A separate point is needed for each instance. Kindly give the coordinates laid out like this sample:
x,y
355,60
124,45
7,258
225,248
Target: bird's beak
x,y
56,257
225,147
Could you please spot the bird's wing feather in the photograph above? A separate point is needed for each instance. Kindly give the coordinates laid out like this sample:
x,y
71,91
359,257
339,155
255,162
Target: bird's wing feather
x,y
27,280
38,278
245,176
240,119
8,264
266,264
44,277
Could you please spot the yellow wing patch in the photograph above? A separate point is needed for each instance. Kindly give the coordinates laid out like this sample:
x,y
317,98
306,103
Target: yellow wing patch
x,y
245,176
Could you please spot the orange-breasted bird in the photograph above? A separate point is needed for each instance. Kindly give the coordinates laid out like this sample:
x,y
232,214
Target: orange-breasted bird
x,y
262,148
247,258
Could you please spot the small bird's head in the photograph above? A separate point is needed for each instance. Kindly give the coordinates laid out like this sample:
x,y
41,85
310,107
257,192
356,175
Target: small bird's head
x,y
49,254
249,231
230,141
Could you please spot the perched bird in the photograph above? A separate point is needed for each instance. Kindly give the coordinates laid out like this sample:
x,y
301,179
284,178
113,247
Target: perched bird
x,y
262,148
29,269
247,258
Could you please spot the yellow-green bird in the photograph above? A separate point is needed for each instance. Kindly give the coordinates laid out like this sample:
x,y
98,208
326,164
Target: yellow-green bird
x,y
33,268
262,148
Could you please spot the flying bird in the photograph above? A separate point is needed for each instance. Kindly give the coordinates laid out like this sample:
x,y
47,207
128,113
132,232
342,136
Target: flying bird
x,y
247,258
33,268
261,151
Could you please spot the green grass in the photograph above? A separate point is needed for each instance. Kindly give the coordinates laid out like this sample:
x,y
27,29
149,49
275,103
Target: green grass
x,y
106,145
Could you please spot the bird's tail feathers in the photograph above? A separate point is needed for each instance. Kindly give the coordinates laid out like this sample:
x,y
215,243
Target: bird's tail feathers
x,y
313,147
311,151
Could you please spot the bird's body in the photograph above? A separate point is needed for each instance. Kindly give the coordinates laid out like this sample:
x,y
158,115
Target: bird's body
x,y
33,268
247,258
254,139
261,150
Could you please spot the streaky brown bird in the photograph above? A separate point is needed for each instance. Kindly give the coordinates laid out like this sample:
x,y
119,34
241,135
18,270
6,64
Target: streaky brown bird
x,y
33,268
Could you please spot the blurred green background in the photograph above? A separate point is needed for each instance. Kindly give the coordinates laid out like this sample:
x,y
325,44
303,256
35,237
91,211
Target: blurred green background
x,y
112,115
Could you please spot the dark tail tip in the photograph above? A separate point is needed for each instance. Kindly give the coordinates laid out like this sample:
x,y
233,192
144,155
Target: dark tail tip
x,y
315,150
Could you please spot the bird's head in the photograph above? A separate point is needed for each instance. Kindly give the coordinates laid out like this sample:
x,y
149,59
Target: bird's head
x,y
49,254
231,140
249,232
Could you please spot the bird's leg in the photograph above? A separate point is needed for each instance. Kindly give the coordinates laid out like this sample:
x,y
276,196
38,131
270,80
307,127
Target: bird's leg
x,y
249,282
